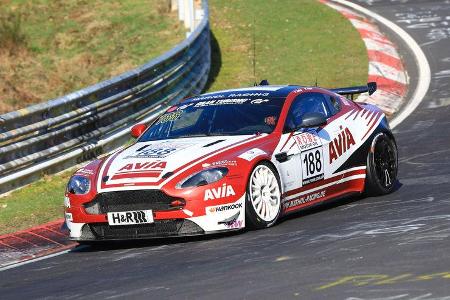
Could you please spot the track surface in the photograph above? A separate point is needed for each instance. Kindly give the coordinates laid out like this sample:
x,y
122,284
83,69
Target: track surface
x,y
394,247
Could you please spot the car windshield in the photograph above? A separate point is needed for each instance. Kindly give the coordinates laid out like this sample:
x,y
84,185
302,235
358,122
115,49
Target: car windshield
x,y
216,117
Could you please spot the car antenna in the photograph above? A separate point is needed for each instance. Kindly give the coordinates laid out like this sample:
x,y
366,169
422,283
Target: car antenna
x,y
254,50
315,84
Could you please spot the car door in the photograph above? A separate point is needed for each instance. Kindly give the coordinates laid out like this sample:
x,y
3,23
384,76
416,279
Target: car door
x,y
307,149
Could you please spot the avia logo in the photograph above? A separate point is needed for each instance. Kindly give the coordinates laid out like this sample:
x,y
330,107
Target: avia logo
x,y
220,192
340,144
144,166
140,170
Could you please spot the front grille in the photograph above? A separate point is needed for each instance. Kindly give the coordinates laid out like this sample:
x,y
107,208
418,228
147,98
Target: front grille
x,y
160,228
129,200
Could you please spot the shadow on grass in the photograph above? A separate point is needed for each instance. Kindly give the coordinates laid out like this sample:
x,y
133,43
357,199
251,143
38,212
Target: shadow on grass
x,y
216,62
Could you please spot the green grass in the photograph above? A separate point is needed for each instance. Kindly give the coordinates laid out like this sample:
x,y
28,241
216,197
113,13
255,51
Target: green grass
x,y
50,48
35,204
297,41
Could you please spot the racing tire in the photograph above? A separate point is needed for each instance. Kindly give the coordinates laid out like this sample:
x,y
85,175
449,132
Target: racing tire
x,y
382,166
263,197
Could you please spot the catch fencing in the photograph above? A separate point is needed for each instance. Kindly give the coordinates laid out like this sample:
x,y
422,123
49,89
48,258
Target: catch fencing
x,y
52,136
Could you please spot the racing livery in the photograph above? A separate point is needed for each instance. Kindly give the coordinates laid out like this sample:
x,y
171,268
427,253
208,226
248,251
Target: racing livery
x,y
233,159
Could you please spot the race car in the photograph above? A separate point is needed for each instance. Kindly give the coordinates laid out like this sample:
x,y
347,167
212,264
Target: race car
x,y
234,159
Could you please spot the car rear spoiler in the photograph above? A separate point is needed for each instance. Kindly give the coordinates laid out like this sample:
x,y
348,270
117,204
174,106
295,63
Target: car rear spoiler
x,y
371,87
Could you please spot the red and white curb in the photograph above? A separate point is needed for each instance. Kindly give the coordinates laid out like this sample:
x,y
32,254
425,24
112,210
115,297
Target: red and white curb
x,y
385,65
33,243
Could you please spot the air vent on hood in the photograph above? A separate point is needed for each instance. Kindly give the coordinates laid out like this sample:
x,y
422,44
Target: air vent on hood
x,y
213,143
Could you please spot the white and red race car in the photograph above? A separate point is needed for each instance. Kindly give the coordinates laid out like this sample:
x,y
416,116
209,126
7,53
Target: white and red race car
x,y
233,159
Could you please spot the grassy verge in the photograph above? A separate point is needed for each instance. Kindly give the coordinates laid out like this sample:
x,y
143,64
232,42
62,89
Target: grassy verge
x,y
295,42
36,204
49,48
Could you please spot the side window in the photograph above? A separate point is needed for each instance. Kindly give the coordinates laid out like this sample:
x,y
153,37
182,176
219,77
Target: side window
x,y
334,104
305,103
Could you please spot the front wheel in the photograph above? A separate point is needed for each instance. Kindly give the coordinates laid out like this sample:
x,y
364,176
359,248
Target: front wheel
x,y
263,197
382,166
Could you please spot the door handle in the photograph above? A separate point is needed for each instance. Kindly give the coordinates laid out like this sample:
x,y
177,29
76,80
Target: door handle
x,y
282,157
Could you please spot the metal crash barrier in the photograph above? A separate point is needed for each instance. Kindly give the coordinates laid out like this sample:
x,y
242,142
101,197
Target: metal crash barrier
x,y
53,136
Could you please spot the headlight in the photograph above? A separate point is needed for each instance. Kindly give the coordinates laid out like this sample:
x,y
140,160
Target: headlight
x,y
78,185
203,178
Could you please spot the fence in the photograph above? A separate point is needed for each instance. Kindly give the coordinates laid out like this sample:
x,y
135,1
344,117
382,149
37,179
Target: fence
x,y
52,136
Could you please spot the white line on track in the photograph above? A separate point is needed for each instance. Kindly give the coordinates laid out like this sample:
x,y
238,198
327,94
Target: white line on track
x,y
15,265
424,73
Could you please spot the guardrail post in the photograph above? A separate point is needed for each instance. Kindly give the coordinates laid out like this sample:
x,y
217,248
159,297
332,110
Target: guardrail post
x,y
181,10
173,5
187,18
191,14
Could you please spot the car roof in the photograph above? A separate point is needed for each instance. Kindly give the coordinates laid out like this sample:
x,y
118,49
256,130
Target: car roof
x,y
273,91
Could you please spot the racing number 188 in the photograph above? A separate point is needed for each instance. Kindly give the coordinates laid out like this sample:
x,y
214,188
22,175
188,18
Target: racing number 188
x,y
312,162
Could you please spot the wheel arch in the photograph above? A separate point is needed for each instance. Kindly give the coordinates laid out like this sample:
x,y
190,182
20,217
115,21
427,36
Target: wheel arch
x,y
267,160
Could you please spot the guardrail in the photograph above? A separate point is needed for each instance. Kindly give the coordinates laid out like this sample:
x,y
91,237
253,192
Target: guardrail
x,y
52,136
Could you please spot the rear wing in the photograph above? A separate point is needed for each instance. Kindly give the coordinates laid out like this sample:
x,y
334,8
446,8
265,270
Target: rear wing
x,y
371,87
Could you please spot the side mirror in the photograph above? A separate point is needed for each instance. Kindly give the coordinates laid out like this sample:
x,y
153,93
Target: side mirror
x,y
313,119
137,130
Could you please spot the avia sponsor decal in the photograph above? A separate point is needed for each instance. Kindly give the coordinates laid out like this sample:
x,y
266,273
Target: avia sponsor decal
x,y
169,117
307,140
225,207
340,144
224,162
145,169
252,153
144,166
303,199
159,150
220,192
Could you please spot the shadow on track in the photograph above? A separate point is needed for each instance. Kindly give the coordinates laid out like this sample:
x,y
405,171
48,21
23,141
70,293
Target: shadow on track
x,y
98,246
334,203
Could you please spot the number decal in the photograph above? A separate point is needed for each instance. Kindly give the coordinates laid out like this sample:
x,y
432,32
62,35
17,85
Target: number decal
x,y
312,165
312,162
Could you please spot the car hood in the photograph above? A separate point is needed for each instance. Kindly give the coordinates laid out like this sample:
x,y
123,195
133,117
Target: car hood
x,y
147,164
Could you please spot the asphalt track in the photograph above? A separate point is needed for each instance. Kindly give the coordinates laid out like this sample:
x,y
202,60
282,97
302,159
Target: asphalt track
x,y
391,247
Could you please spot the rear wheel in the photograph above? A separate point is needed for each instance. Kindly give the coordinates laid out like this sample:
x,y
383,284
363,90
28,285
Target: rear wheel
x,y
382,166
263,198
